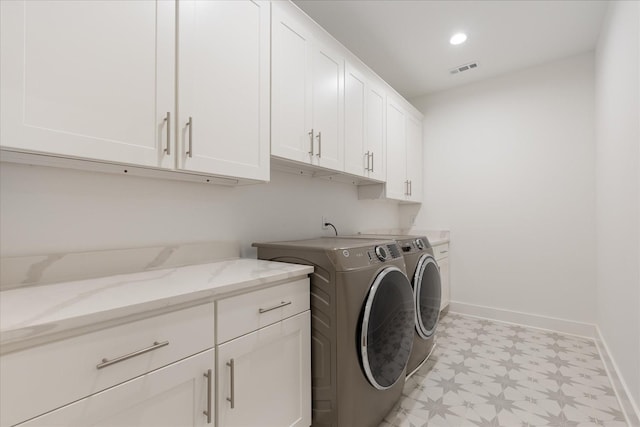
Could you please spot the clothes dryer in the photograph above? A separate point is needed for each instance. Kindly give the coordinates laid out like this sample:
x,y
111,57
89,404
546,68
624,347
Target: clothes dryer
x,y
424,273
362,323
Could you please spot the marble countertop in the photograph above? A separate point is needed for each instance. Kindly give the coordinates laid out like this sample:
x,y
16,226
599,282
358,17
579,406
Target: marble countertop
x,y
34,312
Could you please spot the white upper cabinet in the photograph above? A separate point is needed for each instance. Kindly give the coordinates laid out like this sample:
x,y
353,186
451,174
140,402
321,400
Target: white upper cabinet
x,y
327,107
397,186
404,156
97,80
364,126
202,89
404,153
291,86
88,79
414,158
307,92
375,142
356,159
223,96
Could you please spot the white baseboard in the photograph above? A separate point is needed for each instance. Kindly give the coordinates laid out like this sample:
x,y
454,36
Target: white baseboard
x,y
528,319
629,407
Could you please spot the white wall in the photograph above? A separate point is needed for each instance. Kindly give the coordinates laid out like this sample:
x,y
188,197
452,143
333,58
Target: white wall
x,y
618,189
510,171
45,210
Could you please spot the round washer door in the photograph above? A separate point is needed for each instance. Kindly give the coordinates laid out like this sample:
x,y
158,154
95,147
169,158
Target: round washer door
x,y
386,333
428,293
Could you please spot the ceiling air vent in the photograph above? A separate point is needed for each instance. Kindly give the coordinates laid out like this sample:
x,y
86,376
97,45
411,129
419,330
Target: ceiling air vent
x,y
465,67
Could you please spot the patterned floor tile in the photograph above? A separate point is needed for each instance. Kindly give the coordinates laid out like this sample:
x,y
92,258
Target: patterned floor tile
x,y
486,373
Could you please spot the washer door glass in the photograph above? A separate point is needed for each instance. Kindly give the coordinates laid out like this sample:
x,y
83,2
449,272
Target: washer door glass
x,y
387,328
427,290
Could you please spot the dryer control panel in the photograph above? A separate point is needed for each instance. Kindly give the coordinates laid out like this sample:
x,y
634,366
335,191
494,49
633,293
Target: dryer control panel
x,y
368,255
414,244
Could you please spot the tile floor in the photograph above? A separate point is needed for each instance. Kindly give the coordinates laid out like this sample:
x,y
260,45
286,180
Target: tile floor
x,y
486,373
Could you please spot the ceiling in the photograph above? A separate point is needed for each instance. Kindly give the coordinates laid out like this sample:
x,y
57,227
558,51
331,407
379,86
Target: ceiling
x,y
407,42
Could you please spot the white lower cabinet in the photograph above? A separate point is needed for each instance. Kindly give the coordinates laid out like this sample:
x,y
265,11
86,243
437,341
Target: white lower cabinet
x,y
39,379
161,370
264,377
176,395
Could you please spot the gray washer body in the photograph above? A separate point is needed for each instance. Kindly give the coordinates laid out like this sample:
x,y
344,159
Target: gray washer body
x,y
343,274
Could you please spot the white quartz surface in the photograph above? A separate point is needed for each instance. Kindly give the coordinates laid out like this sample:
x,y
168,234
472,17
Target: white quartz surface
x,y
33,312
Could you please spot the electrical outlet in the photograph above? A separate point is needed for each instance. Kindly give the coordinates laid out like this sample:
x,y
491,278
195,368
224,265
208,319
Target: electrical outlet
x,y
325,220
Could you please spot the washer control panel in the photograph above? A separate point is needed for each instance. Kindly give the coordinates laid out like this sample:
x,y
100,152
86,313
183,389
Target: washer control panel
x,y
381,253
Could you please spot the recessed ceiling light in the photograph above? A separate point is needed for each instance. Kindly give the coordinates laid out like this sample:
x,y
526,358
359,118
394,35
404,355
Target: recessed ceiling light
x,y
458,38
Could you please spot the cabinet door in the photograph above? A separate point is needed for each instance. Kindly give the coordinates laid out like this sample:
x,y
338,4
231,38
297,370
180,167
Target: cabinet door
x,y
223,89
444,280
327,107
397,187
264,377
375,135
357,160
414,158
176,395
88,79
291,85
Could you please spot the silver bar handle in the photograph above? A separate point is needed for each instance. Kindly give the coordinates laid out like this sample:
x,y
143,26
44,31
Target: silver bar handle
x,y
319,144
372,162
190,124
410,187
406,188
311,141
367,156
282,304
106,362
443,252
232,399
167,119
208,412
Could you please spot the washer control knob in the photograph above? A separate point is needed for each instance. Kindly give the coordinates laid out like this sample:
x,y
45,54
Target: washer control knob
x,y
381,253
420,244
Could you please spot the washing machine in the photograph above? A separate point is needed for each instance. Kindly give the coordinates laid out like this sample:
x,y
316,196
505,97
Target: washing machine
x,y
362,323
424,273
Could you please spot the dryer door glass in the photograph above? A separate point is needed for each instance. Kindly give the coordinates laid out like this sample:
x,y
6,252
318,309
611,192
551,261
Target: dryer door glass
x,y
386,334
427,291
